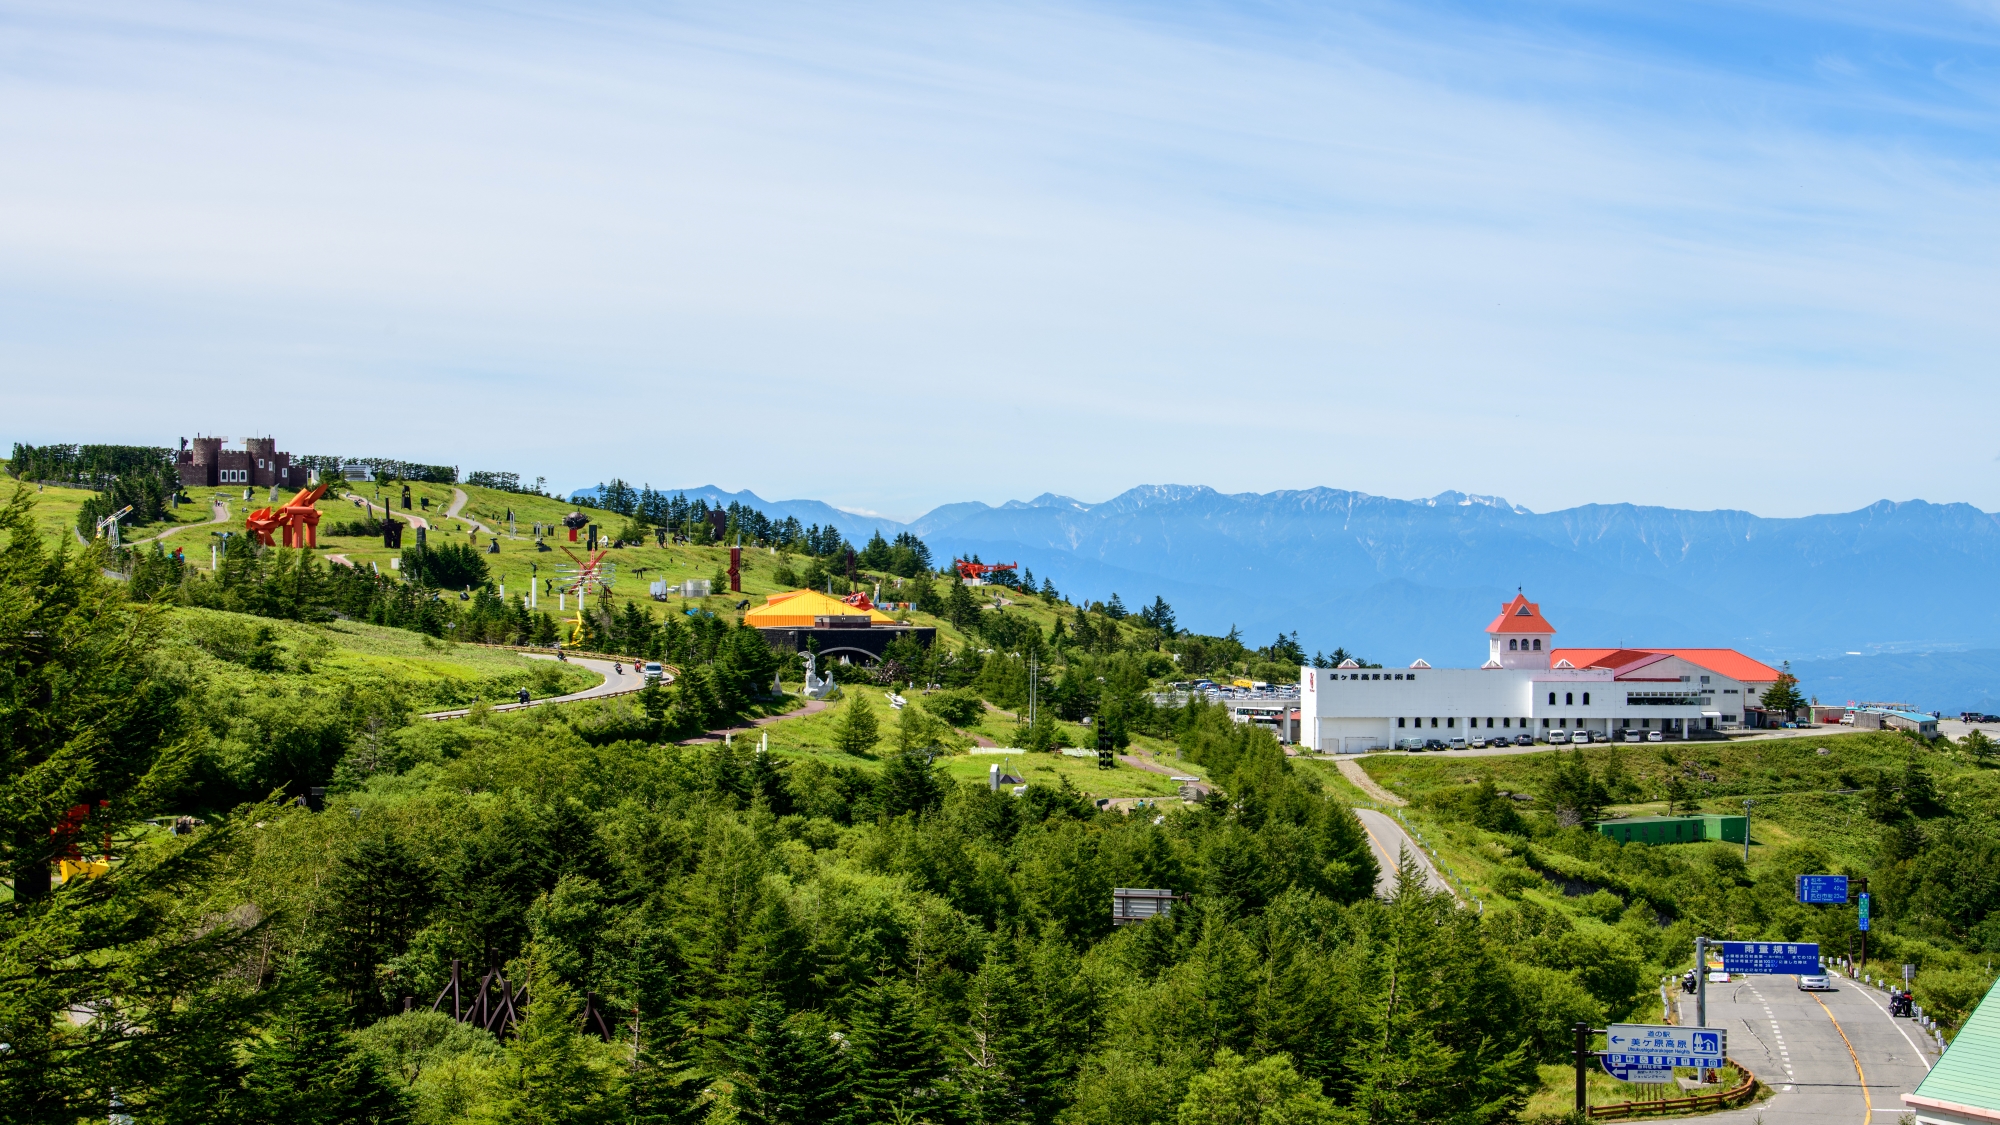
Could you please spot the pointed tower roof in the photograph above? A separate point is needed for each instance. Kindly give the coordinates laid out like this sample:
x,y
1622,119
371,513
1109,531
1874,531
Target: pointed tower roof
x,y
1521,616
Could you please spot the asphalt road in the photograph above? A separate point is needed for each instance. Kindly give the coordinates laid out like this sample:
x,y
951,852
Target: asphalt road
x,y
1388,839
614,683
1829,1056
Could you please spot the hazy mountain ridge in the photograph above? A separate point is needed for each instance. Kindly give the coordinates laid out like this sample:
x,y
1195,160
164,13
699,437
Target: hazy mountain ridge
x,y
1401,579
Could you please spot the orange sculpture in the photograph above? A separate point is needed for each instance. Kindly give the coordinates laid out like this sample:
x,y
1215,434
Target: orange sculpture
x,y
299,519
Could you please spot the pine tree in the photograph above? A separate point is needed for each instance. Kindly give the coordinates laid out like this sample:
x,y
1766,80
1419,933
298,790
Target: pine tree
x,y
95,721
306,1071
555,1079
857,731
789,1071
899,1072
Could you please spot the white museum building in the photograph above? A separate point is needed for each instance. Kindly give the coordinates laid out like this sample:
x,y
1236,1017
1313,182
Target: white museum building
x,y
1529,686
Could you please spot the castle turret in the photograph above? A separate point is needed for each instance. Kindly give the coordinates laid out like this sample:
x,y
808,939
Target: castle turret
x,y
1520,637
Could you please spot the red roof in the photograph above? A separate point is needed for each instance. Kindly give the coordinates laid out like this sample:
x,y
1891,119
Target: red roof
x,y
1726,661
1520,616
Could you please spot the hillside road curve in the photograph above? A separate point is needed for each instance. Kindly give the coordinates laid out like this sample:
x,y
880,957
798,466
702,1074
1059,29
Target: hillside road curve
x,y
1829,1057
1389,841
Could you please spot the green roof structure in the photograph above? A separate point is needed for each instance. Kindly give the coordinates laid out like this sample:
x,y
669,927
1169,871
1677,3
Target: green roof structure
x,y
1964,1087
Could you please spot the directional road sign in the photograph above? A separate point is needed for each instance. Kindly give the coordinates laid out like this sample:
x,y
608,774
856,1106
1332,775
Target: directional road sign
x,y
1642,1046
1770,956
1864,912
1816,889
1617,1067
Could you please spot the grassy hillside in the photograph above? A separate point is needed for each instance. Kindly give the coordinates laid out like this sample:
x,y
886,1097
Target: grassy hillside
x,y
1911,816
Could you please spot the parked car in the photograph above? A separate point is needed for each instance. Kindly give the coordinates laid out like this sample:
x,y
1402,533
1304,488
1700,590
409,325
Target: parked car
x,y
1410,744
1558,738
1815,982
1523,740
1434,744
1458,744
1655,736
1634,736
1478,742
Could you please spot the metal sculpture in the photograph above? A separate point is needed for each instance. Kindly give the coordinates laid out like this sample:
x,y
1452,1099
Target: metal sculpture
x,y
581,578
299,519
111,522
978,571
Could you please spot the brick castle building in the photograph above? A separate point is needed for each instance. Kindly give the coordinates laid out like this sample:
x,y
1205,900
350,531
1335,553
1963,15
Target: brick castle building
x,y
204,463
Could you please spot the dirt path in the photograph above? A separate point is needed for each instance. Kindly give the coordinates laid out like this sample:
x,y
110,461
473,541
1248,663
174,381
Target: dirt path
x,y
1202,788
458,500
812,707
369,506
613,684
1352,771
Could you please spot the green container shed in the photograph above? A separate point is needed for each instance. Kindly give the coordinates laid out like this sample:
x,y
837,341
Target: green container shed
x,y
1674,829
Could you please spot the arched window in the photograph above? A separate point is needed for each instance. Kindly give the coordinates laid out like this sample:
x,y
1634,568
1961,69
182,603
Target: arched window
x,y
1586,699
1552,698
1538,644
1569,698
1513,646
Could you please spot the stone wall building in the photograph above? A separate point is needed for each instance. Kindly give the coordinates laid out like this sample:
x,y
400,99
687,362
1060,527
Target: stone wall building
x,y
204,463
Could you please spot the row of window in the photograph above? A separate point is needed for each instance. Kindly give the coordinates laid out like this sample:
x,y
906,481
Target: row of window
x,y
1569,698
1451,722
1518,645
1377,676
233,476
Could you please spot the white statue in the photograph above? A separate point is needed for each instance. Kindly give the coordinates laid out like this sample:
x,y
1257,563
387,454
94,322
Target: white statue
x,y
816,688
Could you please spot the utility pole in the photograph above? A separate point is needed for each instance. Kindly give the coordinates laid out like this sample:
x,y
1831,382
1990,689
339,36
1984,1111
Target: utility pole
x,y
1747,802
1701,982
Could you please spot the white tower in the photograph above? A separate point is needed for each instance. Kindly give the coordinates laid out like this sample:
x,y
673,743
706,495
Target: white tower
x,y
1520,637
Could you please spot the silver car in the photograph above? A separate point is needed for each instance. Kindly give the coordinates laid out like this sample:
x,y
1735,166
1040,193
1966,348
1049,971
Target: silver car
x,y
1815,982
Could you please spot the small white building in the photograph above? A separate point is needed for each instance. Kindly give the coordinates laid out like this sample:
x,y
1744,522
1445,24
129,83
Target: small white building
x,y
1529,686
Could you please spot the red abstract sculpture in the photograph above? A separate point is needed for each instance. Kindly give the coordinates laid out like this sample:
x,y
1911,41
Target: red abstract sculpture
x,y
299,519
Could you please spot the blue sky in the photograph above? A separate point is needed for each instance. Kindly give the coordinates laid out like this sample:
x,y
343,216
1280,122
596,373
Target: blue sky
x,y
896,255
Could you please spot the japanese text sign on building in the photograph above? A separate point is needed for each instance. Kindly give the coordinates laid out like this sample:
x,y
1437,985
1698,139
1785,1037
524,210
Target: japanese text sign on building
x,y
1823,889
1770,956
1638,1046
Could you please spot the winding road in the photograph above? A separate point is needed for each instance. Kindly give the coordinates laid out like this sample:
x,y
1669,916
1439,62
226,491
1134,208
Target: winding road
x,y
1828,1056
614,683
1390,842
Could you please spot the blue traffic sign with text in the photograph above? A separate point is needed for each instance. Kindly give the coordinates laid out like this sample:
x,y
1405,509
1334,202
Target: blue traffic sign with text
x,y
1624,1069
1823,889
1770,957
1864,912
1642,1046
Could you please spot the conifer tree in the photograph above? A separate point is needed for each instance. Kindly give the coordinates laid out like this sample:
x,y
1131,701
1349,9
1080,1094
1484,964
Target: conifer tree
x,y
789,1071
306,1071
95,735
898,1071
857,731
556,1080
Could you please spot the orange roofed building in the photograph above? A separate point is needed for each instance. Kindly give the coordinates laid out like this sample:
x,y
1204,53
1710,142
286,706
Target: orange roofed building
x,y
843,631
1531,691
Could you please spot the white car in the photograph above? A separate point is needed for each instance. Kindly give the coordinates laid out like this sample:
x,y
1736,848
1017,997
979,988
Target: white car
x,y
1815,982
1458,744
1558,738
1655,736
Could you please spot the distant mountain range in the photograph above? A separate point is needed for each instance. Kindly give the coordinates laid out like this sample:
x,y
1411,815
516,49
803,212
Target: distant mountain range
x,y
1397,580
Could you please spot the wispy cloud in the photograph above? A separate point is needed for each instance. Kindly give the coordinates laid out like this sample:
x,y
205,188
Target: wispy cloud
x,y
1025,247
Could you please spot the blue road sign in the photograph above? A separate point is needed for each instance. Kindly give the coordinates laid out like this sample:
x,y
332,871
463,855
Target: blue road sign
x,y
1642,1046
1823,889
1618,1066
1864,912
1770,957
